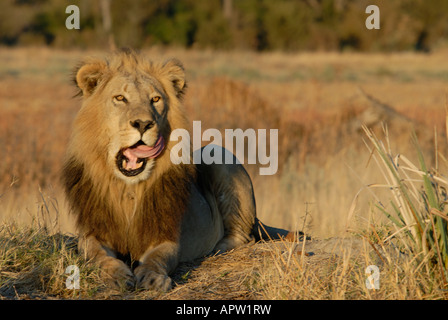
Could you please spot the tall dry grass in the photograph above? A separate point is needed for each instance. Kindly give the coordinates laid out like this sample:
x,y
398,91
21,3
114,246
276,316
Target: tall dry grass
x,y
416,208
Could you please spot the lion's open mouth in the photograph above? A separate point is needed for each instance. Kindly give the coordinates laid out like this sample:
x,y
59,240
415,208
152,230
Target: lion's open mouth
x,y
132,161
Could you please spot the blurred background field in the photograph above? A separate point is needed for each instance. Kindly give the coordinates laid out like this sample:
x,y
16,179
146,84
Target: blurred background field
x,y
317,101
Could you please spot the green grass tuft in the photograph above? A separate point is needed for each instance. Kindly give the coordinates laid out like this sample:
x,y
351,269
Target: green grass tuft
x,y
418,207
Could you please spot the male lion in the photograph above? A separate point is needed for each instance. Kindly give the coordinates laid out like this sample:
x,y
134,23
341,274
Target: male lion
x,y
131,202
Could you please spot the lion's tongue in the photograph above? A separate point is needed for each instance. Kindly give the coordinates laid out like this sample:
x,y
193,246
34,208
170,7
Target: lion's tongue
x,y
143,152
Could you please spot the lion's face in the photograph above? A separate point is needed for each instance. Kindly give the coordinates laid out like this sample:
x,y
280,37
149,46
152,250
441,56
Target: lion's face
x,y
137,112
130,102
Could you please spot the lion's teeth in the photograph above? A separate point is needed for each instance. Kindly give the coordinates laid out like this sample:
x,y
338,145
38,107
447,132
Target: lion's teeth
x,y
123,164
139,165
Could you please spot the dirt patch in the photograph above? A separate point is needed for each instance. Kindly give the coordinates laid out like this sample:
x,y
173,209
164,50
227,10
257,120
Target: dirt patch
x,y
241,273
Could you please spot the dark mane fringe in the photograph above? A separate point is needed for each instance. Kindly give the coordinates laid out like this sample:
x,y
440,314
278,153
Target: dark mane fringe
x,y
157,217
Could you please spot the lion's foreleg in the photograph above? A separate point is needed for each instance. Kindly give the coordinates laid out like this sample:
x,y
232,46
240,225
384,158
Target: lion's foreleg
x,y
118,272
155,266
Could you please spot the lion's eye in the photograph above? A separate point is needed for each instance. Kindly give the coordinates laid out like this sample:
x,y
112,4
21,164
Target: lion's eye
x,y
155,99
120,98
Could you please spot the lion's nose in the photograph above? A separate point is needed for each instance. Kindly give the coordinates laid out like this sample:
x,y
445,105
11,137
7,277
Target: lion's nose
x,y
142,126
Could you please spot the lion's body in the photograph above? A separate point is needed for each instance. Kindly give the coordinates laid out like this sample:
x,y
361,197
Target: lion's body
x,y
145,207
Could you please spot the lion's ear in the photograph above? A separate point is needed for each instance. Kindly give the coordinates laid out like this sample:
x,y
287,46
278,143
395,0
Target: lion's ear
x,y
175,72
88,76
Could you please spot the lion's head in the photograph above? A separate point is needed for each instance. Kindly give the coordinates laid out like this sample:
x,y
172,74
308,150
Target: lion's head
x,y
118,162
128,112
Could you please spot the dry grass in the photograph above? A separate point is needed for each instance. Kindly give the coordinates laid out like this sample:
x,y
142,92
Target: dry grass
x,y
314,101
33,266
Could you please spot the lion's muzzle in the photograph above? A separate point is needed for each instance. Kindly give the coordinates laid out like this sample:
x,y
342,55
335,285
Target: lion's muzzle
x,y
142,126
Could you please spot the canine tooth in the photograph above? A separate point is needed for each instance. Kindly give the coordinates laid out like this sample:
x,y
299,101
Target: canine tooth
x,y
139,165
123,164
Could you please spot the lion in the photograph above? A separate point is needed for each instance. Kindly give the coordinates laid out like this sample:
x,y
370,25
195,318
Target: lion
x,y
139,215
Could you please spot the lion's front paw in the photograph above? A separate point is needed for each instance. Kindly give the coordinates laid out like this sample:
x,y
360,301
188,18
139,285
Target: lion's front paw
x,y
119,274
149,279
